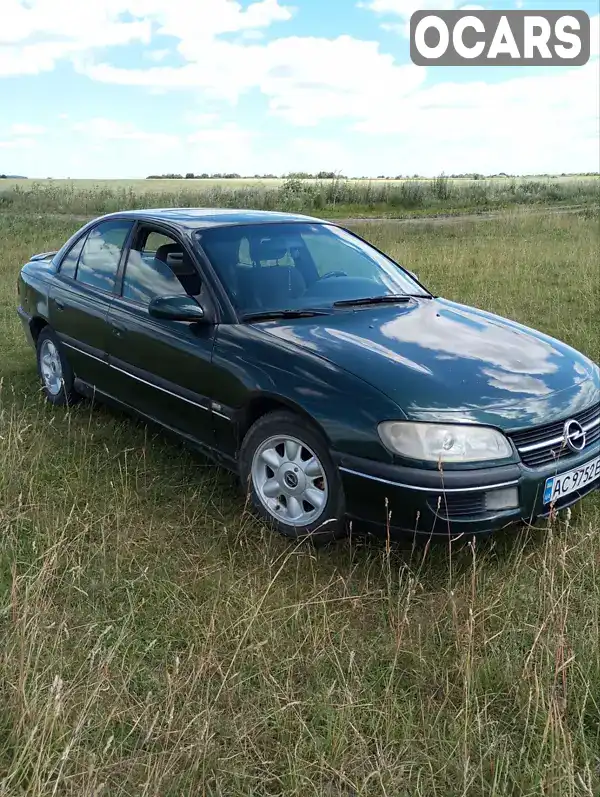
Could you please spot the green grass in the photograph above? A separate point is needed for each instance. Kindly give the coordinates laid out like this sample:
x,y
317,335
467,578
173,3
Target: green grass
x,y
341,198
155,639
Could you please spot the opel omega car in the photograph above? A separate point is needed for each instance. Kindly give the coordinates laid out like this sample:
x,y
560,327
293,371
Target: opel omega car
x,y
300,356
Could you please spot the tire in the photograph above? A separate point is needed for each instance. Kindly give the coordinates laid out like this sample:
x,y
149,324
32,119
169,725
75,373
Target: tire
x,y
273,457
54,370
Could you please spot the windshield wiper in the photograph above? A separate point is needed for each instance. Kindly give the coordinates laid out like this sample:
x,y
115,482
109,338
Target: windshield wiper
x,y
265,315
388,299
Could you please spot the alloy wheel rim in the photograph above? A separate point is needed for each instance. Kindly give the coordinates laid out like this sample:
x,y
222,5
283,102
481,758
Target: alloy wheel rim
x,y
51,368
289,480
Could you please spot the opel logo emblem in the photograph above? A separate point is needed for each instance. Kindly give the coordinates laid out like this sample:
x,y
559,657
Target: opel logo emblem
x,y
291,480
574,435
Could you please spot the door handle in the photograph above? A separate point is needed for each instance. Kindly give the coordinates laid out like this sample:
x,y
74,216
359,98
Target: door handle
x,y
59,305
118,329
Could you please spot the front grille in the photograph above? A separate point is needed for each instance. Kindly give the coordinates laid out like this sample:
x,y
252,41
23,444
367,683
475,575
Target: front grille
x,y
545,444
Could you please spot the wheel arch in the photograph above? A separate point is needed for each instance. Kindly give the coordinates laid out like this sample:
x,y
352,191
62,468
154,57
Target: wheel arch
x,y
36,325
263,403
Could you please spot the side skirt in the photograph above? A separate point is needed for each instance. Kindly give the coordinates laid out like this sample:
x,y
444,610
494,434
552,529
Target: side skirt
x,y
92,393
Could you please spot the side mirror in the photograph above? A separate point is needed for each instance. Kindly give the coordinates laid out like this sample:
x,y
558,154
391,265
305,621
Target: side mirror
x,y
176,308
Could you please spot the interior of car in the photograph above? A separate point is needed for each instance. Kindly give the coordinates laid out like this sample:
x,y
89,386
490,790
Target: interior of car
x,y
174,256
288,267
158,265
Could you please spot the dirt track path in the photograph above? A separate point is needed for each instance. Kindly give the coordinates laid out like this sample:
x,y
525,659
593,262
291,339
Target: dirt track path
x,y
455,218
442,218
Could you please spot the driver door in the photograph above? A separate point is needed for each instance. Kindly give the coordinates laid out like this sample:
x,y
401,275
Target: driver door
x,y
161,368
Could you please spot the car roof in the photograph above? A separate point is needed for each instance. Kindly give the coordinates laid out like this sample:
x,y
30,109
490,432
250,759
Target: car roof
x,y
202,218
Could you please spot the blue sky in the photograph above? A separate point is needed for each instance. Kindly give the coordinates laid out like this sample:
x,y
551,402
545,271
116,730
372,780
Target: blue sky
x,y
126,88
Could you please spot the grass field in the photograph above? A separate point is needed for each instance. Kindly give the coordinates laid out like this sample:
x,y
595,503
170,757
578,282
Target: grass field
x,y
155,639
141,186
341,198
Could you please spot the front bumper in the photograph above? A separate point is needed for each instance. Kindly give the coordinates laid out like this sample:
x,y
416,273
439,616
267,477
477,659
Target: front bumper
x,y
26,323
433,503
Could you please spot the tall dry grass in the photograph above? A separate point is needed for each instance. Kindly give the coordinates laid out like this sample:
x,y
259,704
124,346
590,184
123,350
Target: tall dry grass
x,y
157,640
339,196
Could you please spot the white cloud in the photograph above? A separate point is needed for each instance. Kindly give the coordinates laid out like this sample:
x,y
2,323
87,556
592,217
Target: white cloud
x,y
252,35
30,59
520,125
310,80
525,123
210,147
17,143
22,136
203,21
306,80
36,34
25,129
595,36
109,22
406,8
453,110
156,55
228,137
106,130
201,119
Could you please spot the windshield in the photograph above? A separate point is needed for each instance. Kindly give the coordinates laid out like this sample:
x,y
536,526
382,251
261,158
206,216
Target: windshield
x,y
300,266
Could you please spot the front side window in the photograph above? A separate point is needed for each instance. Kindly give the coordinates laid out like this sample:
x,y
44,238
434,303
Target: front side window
x,y
68,267
158,265
295,266
101,254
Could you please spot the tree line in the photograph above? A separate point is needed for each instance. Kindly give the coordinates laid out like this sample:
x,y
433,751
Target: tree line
x,y
236,176
325,175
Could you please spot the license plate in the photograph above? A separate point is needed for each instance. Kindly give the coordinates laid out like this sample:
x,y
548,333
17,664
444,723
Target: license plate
x,y
565,483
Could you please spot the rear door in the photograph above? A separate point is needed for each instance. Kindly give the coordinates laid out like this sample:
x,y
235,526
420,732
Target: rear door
x,y
160,367
81,294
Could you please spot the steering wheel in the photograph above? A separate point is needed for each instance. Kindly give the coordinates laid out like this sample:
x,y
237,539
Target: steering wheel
x,y
332,274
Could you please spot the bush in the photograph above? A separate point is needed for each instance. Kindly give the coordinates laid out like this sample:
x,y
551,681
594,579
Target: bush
x,y
441,188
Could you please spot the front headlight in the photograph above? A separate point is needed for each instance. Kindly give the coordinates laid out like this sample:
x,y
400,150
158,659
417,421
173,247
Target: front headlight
x,y
436,442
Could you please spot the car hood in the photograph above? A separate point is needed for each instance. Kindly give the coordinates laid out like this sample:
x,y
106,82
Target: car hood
x,y
437,359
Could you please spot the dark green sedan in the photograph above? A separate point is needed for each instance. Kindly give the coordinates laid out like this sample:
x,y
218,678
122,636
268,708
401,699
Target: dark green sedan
x,y
296,354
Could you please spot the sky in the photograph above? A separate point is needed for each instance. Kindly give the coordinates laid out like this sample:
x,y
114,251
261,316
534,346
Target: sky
x,y
127,88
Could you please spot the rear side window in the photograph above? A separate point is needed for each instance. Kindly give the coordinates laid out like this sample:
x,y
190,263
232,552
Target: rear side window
x,y
101,254
68,267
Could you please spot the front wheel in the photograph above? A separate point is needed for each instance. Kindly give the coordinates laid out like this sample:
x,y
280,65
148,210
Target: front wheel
x,y
291,480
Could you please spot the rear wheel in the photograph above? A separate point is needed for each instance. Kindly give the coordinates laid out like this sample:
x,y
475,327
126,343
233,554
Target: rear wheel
x,y
292,482
54,369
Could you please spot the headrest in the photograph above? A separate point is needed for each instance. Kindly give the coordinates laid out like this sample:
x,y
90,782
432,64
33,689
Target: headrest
x,y
268,249
168,250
